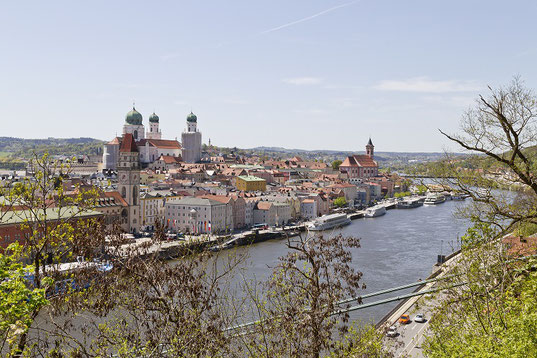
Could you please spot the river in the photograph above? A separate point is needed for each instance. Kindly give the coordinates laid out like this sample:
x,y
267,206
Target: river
x,y
398,248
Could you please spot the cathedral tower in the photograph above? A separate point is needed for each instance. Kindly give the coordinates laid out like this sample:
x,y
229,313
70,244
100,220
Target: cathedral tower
x,y
133,125
128,172
154,132
191,140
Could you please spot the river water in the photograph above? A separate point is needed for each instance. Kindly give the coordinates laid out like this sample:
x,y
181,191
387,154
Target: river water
x,y
398,248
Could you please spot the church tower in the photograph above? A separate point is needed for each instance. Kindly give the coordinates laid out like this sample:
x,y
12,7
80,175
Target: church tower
x,y
191,140
154,132
128,172
369,149
133,125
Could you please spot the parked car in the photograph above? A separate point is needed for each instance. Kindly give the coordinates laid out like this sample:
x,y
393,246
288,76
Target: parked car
x,y
419,318
392,332
404,319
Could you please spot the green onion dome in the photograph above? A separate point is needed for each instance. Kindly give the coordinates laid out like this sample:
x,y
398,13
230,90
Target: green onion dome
x,y
192,117
134,117
153,118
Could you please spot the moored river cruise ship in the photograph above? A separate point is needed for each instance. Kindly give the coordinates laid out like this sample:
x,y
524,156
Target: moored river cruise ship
x,y
434,199
327,222
374,211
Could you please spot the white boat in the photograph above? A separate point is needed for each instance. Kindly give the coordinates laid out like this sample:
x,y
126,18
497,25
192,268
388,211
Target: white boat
x,y
327,222
434,199
409,203
375,211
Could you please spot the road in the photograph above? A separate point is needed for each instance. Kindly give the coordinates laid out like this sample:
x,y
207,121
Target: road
x,y
408,342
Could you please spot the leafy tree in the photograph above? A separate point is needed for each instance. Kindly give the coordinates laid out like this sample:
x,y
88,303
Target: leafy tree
x,y
493,312
18,301
336,164
502,128
340,202
297,311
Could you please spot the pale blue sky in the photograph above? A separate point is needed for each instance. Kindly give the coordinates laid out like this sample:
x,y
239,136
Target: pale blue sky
x,y
293,73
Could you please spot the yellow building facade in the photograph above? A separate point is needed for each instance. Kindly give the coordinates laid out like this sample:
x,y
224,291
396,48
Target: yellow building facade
x,y
250,183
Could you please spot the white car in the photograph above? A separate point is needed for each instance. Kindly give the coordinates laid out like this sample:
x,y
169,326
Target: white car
x,y
392,331
419,318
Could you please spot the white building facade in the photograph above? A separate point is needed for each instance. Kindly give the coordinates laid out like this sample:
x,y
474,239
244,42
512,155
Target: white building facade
x,y
198,215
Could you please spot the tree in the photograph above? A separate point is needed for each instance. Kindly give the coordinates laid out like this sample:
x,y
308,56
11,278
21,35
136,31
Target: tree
x,y
340,202
18,301
503,128
494,309
336,164
297,308
138,307
54,226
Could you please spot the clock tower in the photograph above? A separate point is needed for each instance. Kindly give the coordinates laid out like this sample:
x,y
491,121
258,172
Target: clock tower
x,y
128,172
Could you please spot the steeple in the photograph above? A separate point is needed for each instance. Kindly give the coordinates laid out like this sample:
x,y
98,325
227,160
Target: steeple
x,y
370,149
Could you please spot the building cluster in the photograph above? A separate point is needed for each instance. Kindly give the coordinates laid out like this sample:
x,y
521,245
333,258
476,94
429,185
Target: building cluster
x,y
146,179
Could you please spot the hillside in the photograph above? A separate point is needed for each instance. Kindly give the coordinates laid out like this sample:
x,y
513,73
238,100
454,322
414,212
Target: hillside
x,y
15,151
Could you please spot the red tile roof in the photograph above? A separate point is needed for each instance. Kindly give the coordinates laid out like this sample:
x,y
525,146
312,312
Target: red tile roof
x,y
264,205
117,197
161,143
128,144
168,159
116,140
359,161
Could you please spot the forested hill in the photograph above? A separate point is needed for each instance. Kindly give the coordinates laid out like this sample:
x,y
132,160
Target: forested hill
x,y
19,148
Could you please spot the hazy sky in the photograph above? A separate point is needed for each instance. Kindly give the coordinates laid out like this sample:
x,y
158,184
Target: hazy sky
x,y
293,73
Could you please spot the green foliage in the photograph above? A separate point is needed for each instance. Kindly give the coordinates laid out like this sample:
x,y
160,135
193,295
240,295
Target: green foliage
x,y
525,229
421,189
478,234
340,202
18,301
402,194
14,152
361,341
509,332
336,164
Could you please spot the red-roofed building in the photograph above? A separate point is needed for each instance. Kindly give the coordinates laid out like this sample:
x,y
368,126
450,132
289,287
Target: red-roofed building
x,y
361,166
128,144
152,149
165,163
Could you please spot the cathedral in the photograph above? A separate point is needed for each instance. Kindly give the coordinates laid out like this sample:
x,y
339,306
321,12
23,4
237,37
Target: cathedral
x,y
150,144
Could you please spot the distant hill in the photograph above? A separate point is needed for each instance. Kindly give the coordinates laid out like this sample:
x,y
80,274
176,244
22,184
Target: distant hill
x,y
327,155
15,151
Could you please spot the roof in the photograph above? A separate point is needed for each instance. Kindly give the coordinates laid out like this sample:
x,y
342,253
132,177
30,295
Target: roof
x,y
168,159
196,201
359,161
161,143
344,185
117,197
221,198
264,205
128,144
308,201
51,214
250,178
116,140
